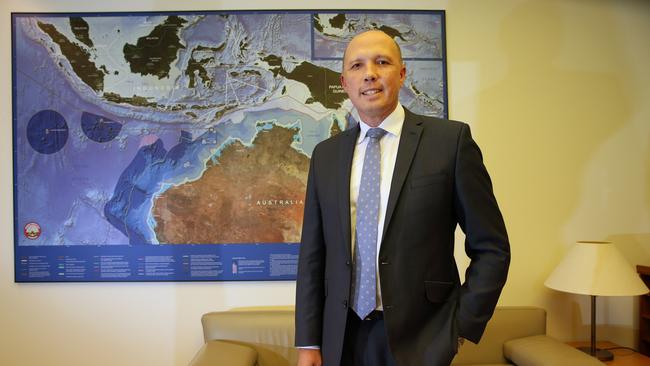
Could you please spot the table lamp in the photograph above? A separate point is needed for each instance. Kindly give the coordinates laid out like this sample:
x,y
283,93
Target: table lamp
x,y
596,268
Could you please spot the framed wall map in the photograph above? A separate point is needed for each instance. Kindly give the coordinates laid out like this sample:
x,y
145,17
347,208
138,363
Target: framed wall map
x,y
174,146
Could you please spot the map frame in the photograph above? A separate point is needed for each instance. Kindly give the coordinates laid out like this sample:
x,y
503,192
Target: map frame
x,y
128,262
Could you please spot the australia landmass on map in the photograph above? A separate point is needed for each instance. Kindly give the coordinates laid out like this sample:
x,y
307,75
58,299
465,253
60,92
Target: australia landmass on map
x,y
250,194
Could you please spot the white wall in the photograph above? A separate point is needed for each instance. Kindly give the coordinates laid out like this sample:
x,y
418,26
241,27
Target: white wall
x,y
557,93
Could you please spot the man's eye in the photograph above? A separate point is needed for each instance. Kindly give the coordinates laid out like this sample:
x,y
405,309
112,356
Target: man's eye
x,y
355,66
382,62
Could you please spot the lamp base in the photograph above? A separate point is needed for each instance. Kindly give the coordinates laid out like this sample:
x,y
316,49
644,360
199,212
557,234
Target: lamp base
x,y
601,354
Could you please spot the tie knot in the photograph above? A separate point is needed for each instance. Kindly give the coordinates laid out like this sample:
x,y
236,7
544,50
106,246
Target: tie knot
x,y
376,133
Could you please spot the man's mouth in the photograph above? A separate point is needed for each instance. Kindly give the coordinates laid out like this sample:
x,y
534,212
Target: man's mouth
x,y
370,91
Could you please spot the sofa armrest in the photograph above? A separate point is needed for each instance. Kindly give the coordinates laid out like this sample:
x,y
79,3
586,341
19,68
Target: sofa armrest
x,y
222,353
541,350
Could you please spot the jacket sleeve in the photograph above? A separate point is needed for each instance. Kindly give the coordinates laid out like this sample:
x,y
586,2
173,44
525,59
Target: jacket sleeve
x,y
310,288
486,242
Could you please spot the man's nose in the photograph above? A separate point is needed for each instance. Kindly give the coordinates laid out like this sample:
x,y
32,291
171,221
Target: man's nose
x,y
371,73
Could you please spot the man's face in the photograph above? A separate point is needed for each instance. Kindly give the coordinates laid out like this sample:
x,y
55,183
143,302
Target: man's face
x,y
373,75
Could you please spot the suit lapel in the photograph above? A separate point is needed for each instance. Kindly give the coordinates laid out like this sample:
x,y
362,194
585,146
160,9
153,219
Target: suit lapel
x,y
346,152
408,144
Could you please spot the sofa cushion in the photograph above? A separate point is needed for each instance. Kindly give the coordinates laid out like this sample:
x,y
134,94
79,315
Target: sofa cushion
x,y
224,353
269,331
273,326
546,351
272,355
508,322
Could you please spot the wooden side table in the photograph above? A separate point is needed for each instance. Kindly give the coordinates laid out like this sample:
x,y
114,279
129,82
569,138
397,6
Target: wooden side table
x,y
622,356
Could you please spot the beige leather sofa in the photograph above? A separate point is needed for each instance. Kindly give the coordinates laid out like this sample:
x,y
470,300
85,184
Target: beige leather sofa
x,y
263,336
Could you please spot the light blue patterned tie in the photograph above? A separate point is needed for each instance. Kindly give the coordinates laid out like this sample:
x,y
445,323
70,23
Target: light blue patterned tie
x,y
364,286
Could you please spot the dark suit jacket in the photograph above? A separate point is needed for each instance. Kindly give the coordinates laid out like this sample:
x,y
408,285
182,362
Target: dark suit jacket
x,y
439,181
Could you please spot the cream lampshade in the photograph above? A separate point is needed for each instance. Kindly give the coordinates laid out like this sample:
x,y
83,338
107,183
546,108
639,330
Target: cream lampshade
x,y
596,268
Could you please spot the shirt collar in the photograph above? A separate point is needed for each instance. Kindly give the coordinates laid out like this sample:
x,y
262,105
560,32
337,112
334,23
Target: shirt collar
x,y
392,124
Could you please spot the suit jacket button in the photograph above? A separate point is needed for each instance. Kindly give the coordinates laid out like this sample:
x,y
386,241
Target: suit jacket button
x,y
388,307
345,303
347,263
384,263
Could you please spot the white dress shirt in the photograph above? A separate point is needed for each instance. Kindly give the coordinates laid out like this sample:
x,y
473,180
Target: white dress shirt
x,y
388,147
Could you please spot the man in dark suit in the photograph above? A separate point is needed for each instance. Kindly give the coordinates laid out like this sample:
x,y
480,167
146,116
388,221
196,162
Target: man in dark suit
x,y
431,178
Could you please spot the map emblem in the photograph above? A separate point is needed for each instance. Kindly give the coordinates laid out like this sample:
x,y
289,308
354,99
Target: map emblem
x,y
32,230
